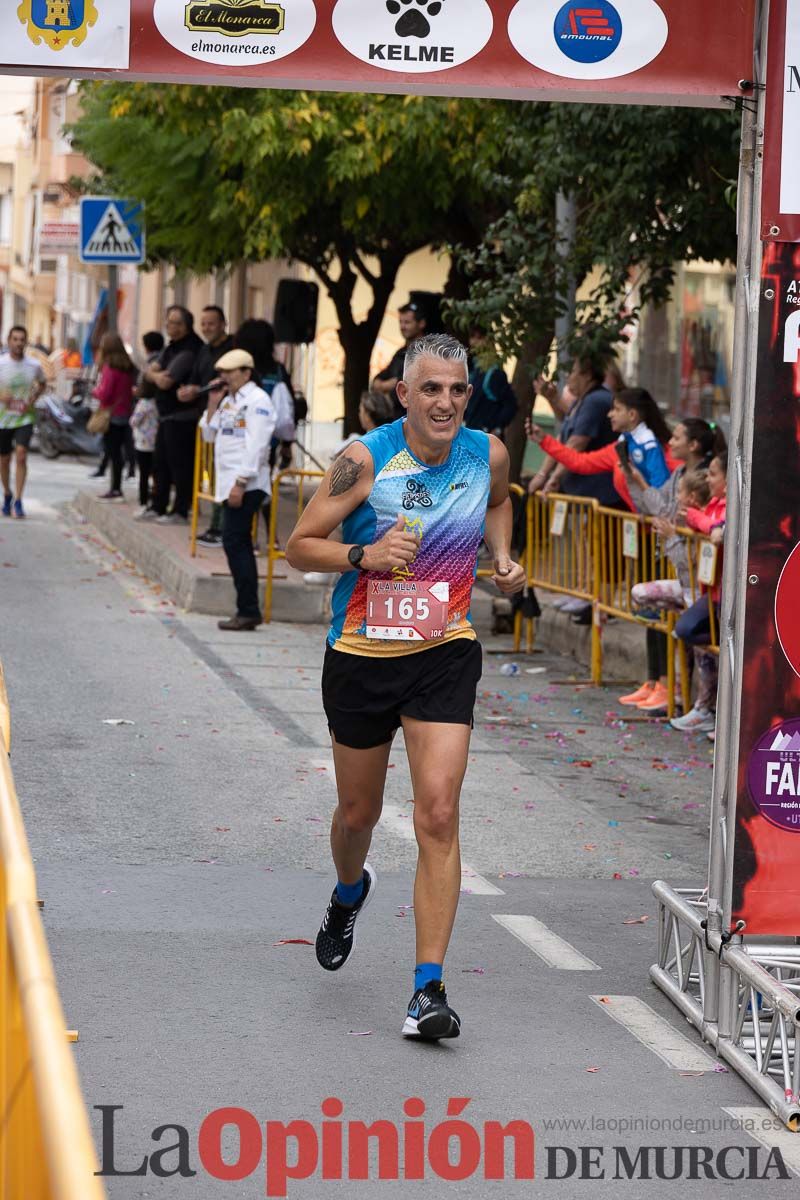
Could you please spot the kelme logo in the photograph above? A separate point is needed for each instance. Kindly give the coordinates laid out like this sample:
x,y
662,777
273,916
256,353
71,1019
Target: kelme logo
x,y
413,36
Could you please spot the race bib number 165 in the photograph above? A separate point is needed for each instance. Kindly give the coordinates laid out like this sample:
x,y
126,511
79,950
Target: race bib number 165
x,y
411,610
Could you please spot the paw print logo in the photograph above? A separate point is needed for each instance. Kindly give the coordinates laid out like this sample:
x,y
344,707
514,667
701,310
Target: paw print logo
x,y
413,22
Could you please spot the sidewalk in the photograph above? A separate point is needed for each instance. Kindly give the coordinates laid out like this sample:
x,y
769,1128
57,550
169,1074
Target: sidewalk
x,y
203,585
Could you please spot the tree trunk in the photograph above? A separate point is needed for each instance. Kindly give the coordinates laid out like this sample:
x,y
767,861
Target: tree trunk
x,y
357,343
358,338
532,351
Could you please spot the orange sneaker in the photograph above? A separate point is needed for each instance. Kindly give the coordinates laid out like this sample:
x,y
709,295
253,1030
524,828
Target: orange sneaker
x,y
640,694
658,699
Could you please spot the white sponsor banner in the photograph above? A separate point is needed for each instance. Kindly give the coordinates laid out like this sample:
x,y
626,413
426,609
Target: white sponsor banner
x,y
790,159
66,33
601,40
59,237
413,36
235,33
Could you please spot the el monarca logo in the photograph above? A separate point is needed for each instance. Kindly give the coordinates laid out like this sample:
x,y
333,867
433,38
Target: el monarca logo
x,y
235,17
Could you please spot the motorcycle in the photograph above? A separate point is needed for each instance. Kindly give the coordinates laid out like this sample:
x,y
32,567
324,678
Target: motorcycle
x,y
61,426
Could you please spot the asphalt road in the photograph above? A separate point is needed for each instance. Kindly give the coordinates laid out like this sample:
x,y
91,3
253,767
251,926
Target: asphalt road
x,y
180,853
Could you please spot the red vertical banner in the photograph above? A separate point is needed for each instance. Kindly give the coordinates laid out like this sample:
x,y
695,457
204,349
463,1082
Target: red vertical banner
x,y
766,874
766,882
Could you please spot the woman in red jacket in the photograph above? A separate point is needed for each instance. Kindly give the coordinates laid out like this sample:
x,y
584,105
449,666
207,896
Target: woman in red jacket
x,y
643,432
115,392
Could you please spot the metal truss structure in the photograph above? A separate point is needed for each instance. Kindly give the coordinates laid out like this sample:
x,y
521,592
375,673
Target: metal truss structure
x,y
742,996
743,1000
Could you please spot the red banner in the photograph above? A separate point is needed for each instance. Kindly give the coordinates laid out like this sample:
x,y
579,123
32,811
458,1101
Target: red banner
x,y
781,201
766,884
670,52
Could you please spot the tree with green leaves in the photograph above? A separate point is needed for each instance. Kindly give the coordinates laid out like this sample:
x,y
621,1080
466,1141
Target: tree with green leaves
x,y
348,184
652,187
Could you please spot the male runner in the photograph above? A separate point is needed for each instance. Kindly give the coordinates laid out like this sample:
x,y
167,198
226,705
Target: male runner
x,y
413,498
21,384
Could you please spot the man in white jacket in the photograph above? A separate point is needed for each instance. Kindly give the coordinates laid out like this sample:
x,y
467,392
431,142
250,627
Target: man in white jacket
x,y
241,425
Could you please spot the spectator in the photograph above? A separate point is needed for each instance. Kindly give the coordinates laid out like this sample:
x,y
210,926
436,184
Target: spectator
x,y
585,427
213,327
241,426
493,403
257,337
22,381
694,625
692,445
413,322
175,442
153,344
115,393
642,435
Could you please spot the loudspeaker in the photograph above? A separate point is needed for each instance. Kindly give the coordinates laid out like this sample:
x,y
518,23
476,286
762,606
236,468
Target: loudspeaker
x,y
296,311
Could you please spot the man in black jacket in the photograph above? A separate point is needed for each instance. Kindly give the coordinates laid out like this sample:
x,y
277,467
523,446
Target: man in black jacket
x,y
213,327
177,427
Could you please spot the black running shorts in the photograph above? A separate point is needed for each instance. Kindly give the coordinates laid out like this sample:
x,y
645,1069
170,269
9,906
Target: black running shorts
x,y
21,436
364,697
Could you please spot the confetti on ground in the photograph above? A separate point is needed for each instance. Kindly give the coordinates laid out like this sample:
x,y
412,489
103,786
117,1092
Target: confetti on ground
x,y
117,721
473,970
592,1070
362,1033
292,942
691,1074
636,920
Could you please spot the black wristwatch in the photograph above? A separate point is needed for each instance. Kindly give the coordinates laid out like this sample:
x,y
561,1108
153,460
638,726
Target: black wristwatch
x,y
354,556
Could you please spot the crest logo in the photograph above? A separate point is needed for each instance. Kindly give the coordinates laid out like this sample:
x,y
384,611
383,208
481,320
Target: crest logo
x,y
57,23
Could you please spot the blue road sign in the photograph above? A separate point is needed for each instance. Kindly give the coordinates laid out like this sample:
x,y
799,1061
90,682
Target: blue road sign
x,y
112,230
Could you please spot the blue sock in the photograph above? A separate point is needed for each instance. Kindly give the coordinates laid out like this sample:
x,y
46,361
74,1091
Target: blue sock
x,y
350,893
427,973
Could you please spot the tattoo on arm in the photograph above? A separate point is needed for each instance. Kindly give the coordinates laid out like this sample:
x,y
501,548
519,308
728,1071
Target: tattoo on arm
x,y
344,475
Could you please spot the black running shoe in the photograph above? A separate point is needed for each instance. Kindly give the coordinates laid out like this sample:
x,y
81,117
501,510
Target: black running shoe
x,y
429,1015
336,937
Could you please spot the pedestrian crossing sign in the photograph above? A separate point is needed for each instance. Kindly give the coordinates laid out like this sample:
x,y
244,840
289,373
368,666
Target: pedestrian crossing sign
x,y
112,230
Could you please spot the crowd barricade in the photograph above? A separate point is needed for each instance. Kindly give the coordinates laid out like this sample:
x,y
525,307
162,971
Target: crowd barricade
x,y
519,616
563,551
631,552
203,488
273,551
46,1148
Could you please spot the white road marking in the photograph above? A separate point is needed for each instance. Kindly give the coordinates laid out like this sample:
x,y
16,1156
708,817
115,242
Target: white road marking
x,y
548,946
656,1033
399,822
760,1124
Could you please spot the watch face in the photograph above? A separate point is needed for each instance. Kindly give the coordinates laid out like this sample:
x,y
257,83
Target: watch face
x,y
355,554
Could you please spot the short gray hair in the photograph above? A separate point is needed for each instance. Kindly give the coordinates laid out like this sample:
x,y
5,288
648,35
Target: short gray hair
x,y
434,345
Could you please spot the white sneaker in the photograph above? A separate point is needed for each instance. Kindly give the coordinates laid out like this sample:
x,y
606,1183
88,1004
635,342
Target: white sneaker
x,y
697,720
575,606
145,514
560,601
172,519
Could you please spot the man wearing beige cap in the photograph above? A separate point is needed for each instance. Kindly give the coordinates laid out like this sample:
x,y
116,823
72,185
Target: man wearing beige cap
x,y
240,425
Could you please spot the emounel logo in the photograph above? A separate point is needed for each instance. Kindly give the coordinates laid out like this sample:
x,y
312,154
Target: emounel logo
x,y
414,1147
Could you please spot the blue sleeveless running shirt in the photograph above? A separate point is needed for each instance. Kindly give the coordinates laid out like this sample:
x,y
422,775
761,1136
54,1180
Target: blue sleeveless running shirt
x,y
443,506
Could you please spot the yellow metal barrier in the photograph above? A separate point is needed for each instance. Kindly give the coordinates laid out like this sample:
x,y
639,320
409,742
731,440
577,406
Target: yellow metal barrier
x,y
563,553
273,553
631,552
203,487
487,572
46,1149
